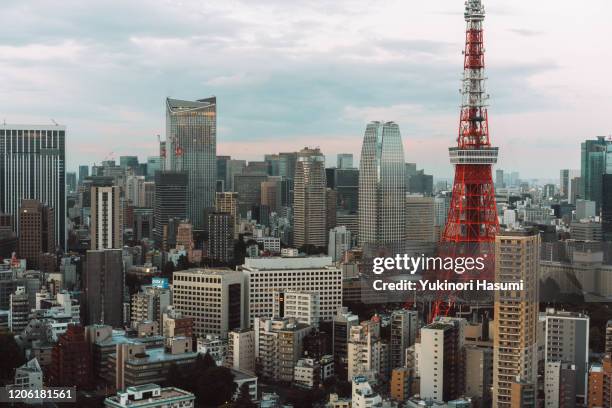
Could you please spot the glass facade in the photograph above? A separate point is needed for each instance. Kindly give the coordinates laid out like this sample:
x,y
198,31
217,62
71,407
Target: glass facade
x,y
32,166
191,147
382,187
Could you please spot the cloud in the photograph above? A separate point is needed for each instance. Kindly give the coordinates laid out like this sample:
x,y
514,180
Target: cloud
x,y
288,72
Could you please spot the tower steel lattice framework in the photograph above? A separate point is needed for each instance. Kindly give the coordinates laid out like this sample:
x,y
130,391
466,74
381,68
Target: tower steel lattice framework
x,y
472,218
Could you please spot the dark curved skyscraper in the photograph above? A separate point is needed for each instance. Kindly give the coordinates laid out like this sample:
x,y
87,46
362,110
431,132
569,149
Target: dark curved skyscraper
x,y
382,189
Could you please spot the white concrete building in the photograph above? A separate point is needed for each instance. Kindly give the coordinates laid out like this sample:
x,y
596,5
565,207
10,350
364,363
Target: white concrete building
x,y
304,307
364,351
241,350
363,396
559,385
151,396
312,274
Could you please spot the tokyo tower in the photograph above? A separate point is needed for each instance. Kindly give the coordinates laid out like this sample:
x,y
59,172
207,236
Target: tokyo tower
x,y
472,218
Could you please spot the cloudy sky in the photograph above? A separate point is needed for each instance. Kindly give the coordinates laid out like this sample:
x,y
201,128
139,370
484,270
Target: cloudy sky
x,y
308,72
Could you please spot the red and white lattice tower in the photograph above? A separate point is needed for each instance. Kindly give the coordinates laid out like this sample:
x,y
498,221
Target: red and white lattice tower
x,y
472,218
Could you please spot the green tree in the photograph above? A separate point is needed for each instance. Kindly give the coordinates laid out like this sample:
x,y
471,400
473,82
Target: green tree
x,y
215,387
12,357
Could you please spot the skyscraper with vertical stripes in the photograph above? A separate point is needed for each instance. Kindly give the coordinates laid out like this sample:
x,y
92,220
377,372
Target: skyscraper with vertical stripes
x,y
382,187
33,166
191,147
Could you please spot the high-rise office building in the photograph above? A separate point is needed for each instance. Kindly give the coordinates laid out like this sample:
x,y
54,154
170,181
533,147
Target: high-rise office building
x,y
271,193
191,145
382,189
344,161
170,200
420,218
83,173
153,165
71,182
106,218
346,184
272,164
499,178
104,280
214,298
593,166
220,236
516,317
33,166
340,241
222,173
606,207
248,187
309,202
37,233
287,164
227,202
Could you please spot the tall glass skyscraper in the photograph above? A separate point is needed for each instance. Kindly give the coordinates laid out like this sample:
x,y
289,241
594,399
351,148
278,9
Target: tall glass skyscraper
x,y
33,166
382,188
191,147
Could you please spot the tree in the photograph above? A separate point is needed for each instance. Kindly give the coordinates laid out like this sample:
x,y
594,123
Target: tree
x,y
12,357
244,398
215,387
204,362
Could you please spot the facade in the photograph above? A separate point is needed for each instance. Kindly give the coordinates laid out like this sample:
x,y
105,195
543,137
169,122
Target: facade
x,y
400,383
566,340
33,167
71,362
606,207
364,350
106,218
404,326
299,274
29,375
559,385
170,200
420,218
212,297
344,161
37,231
516,316
309,201
382,189
441,360
593,166
103,287
241,350
303,306
278,346
19,310
479,369
227,202
151,396
340,241
600,383
363,396
149,305
191,143
133,364
221,236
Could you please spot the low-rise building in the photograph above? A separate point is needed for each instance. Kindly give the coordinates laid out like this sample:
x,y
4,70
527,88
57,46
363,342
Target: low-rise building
x,y
151,396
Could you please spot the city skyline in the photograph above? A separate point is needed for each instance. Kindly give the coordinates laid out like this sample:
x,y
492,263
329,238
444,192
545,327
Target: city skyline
x,y
114,82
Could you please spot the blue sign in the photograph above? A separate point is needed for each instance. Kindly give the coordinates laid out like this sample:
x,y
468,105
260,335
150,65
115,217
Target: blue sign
x,y
160,283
